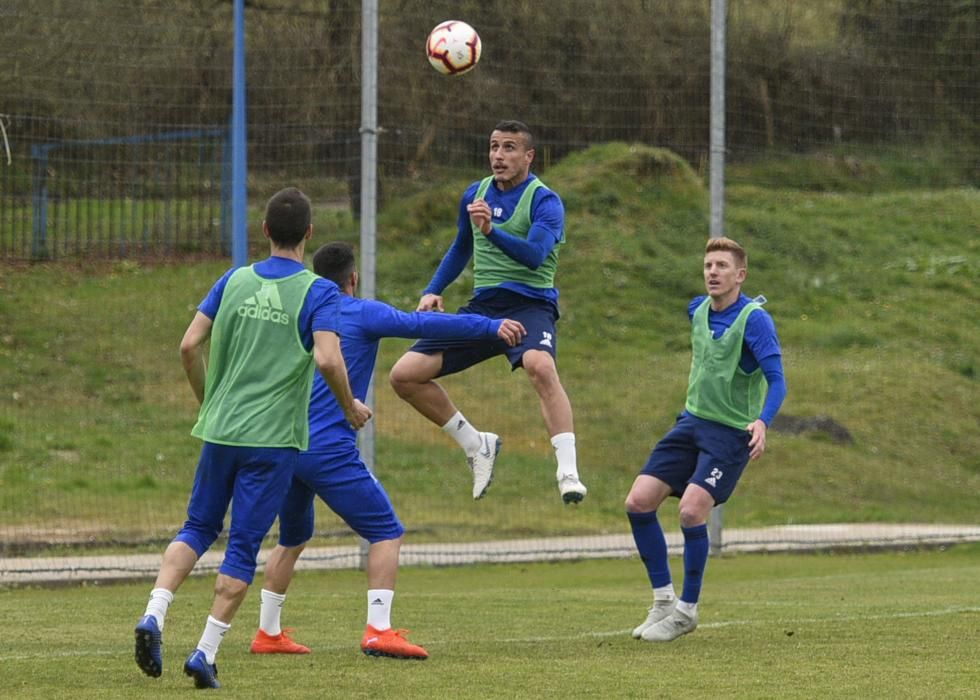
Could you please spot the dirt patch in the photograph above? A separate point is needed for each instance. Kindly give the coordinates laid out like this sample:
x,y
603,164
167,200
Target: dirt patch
x,y
824,426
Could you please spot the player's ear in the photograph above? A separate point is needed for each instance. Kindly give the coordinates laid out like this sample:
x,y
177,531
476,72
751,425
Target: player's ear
x,y
265,229
309,232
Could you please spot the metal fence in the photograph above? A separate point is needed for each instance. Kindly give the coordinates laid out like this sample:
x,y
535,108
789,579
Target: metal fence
x,y
113,144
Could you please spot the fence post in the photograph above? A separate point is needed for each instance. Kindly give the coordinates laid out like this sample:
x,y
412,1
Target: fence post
x,y
39,202
716,150
715,530
369,200
239,144
717,129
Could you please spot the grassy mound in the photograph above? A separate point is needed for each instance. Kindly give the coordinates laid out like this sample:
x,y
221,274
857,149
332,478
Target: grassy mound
x,y
874,297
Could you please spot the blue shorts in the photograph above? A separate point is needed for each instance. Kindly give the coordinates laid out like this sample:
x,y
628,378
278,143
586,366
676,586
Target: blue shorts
x,y
256,480
702,452
344,483
538,316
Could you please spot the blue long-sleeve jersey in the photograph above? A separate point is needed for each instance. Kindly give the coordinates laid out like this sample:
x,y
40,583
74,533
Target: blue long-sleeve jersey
x,y
547,225
363,323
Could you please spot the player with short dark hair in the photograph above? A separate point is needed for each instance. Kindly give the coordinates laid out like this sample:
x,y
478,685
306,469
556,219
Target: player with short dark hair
x,y
735,389
288,215
332,469
269,325
512,226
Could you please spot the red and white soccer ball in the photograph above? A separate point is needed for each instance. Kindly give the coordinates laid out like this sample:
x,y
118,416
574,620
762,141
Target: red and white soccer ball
x,y
453,47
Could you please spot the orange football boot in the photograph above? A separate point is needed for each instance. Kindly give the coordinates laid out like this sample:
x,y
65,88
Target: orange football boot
x,y
391,643
280,644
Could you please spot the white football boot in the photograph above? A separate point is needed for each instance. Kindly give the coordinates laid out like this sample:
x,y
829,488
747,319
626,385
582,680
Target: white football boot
x,y
671,627
572,490
481,464
660,610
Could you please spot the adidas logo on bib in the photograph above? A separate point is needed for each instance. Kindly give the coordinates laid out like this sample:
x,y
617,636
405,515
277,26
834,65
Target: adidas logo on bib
x,y
264,305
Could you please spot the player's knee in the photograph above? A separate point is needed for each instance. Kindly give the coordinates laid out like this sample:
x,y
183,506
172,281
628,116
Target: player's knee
x,y
393,542
198,537
228,587
692,515
637,502
398,380
292,552
540,368
695,506
410,372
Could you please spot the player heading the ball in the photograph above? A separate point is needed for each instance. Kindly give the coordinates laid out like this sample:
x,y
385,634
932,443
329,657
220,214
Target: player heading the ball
x,y
512,226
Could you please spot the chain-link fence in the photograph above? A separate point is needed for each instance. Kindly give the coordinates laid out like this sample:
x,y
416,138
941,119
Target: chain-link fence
x,y
114,119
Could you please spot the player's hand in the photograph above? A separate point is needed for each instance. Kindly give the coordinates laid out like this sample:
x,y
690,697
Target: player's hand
x,y
430,302
480,213
358,415
757,444
511,332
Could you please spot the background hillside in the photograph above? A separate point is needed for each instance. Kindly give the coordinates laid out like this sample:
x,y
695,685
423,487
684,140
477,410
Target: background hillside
x,y
874,296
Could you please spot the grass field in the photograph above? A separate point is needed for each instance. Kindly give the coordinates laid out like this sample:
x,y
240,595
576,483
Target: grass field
x,y
873,282
890,624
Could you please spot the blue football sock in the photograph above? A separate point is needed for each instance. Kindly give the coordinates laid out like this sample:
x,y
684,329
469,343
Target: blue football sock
x,y
695,560
652,546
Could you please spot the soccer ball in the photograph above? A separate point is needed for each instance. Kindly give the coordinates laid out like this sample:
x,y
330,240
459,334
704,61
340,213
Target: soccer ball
x,y
453,47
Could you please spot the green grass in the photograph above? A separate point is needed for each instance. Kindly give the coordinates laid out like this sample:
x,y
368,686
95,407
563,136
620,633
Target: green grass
x,y
857,169
899,624
873,295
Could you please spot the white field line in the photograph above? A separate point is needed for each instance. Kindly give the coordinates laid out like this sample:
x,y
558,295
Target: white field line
x,y
563,637
732,623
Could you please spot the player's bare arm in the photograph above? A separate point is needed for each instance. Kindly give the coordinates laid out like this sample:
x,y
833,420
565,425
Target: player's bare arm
x,y
430,302
192,354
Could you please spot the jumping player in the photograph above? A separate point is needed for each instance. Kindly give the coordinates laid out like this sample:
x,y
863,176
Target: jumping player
x,y
512,226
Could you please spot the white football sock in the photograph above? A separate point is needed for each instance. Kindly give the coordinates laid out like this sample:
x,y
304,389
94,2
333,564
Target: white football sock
x,y
664,592
564,444
270,611
463,432
160,600
214,632
379,608
689,608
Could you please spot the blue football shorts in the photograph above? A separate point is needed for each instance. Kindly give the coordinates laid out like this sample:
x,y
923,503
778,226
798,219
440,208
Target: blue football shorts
x,y
702,452
538,316
344,483
255,480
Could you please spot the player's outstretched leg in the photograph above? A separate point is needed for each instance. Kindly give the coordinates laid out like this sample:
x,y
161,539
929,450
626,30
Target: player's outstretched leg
x,y
391,643
482,463
670,628
205,675
149,646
